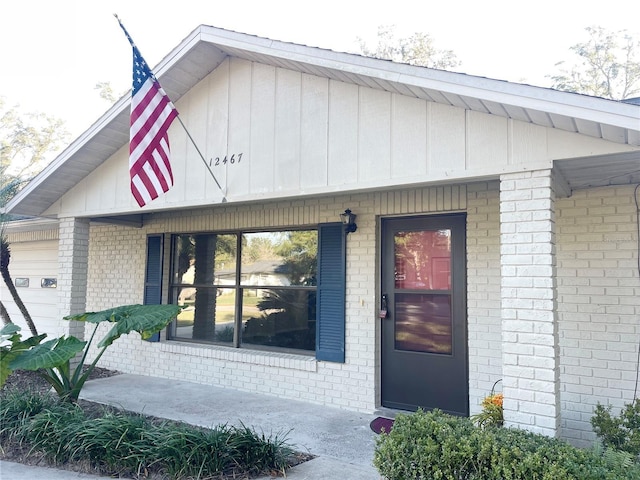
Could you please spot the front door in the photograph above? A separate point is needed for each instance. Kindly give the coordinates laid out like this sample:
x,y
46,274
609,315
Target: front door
x,y
424,325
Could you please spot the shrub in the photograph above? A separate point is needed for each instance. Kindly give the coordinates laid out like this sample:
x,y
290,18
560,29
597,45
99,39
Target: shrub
x,y
438,446
621,432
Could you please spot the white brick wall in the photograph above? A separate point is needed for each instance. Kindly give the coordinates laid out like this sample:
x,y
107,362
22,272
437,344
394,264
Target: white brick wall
x,y
597,295
116,273
530,362
483,296
73,251
598,304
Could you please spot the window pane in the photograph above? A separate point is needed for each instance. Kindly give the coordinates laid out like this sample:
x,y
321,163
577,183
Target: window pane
x,y
423,323
205,259
208,316
279,258
281,318
423,260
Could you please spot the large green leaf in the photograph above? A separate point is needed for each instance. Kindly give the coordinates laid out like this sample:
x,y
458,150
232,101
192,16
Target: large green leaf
x,y
144,319
7,331
6,356
12,346
49,354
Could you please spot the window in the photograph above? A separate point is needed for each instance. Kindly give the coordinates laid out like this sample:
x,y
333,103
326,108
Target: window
x,y
253,289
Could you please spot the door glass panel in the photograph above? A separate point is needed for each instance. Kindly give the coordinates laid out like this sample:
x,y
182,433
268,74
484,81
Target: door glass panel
x,y
423,260
423,323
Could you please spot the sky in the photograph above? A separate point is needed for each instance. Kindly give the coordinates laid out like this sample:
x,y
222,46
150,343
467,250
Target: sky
x,y
55,51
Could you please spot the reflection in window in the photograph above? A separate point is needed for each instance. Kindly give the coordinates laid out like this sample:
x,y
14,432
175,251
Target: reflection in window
x,y
49,282
423,260
275,282
280,318
423,323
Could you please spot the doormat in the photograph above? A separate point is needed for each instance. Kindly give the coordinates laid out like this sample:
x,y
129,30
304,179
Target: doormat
x,y
380,424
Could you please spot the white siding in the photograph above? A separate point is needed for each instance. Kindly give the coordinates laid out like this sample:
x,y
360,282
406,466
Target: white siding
x,y
301,135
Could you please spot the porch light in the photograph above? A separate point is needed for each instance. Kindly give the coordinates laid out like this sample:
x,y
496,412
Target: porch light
x,y
348,219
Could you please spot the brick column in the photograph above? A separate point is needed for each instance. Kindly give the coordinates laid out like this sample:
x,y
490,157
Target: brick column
x,y
73,255
530,352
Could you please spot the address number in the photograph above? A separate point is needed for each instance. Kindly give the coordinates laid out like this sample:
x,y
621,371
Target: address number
x,y
231,160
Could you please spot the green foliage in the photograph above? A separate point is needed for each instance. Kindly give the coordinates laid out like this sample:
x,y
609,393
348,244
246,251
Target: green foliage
x,y
26,142
438,446
52,359
492,414
299,252
17,408
54,431
144,319
130,445
619,432
11,346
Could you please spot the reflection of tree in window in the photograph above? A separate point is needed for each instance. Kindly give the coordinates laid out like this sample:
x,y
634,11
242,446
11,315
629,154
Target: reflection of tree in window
x,y
287,314
299,252
275,287
422,259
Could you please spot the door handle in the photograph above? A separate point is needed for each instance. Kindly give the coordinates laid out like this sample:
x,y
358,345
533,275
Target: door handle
x,y
384,306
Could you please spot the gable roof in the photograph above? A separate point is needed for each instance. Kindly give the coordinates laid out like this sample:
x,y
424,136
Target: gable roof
x,y
207,47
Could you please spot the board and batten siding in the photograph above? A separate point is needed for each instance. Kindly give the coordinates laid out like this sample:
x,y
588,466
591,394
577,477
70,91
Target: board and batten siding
x,y
292,134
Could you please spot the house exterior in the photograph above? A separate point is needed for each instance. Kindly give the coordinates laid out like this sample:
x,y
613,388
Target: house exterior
x,y
496,235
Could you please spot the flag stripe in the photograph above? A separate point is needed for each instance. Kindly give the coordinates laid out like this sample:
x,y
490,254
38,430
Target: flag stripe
x,y
141,146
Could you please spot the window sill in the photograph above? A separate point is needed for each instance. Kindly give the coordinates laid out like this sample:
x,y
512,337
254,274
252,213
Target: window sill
x,y
254,357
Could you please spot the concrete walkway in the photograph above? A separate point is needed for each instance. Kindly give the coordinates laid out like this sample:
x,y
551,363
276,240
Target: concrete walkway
x,y
341,440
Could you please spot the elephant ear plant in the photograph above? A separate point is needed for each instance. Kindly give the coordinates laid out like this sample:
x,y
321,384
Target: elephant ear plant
x,y
52,359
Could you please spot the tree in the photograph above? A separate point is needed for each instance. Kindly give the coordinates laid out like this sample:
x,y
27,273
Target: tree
x,y
418,49
105,90
608,66
26,142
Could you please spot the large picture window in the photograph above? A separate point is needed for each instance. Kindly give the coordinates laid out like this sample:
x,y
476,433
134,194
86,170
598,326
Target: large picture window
x,y
254,289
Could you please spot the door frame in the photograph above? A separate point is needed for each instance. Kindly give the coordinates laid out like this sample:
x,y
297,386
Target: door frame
x,y
461,299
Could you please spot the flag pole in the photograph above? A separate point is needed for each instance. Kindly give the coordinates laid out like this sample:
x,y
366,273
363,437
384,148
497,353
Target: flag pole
x,y
204,160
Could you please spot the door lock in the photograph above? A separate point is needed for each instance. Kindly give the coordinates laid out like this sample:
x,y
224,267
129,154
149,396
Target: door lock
x,y
384,310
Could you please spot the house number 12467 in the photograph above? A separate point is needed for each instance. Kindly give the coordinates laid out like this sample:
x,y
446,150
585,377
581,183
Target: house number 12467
x,y
231,160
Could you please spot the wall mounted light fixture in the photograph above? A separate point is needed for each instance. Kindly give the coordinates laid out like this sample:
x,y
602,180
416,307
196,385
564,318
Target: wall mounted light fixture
x,y
348,220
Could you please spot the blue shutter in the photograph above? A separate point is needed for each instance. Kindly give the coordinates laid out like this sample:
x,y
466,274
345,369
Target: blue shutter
x,y
330,334
153,276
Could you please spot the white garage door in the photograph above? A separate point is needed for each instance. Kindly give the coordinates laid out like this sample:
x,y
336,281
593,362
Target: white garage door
x,y
34,267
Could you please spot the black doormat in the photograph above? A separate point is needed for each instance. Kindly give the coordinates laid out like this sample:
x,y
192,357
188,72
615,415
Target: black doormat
x,y
381,424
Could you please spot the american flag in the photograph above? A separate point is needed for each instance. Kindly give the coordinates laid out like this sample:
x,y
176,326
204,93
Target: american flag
x,y
151,115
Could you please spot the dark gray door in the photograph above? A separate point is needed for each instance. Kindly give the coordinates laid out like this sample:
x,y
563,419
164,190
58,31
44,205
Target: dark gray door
x,y
424,333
